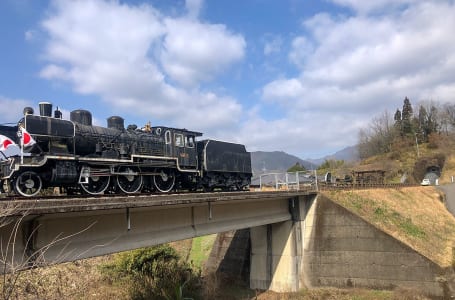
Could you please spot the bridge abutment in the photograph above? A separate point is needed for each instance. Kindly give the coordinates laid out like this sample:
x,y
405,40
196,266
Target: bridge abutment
x,y
277,250
325,245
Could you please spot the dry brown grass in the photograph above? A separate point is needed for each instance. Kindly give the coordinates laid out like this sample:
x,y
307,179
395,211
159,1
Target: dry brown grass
x,y
75,280
413,215
449,170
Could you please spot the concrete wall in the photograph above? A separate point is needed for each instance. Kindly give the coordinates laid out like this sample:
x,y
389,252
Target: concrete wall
x,y
277,251
325,245
230,256
343,250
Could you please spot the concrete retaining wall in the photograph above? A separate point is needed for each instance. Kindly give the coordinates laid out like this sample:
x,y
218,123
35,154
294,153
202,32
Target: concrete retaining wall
x,y
343,250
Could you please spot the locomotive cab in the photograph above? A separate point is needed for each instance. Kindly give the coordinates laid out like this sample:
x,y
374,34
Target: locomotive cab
x,y
181,144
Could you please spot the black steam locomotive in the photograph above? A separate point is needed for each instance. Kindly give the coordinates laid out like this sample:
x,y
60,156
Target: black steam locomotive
x,y
78,157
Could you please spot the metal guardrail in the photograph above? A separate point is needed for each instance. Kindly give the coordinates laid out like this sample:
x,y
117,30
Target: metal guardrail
x,y
288,181
308,181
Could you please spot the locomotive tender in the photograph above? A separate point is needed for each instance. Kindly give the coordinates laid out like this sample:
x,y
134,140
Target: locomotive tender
x,y
82,158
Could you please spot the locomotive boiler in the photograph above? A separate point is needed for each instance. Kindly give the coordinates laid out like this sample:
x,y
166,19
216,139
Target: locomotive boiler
x,y
79,157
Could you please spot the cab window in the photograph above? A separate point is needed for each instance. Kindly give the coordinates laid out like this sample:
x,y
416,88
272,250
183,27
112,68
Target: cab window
x,y
189,142
179,142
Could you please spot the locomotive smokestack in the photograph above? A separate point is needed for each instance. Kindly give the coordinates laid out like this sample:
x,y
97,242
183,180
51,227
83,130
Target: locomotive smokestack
x,y
45,109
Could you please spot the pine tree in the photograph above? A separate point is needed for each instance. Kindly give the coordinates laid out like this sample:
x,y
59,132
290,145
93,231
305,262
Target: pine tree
x,y
397,118
422,132
406,118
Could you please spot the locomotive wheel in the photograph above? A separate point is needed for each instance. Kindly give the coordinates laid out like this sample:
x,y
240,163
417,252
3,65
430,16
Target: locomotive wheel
x,y
131,182
96,184
28,184
164,182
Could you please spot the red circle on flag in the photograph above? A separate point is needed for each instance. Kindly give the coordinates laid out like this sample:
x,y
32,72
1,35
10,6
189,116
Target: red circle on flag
x,y
26,138
6,143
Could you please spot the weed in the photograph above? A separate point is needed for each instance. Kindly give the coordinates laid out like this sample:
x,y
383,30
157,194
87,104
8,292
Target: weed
x,y
380,212
411,229
155,273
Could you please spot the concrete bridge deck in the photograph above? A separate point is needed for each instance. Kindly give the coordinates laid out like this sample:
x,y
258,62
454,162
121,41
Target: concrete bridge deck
x,y
79,204
61,229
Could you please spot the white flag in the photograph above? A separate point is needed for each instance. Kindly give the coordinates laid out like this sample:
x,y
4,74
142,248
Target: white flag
x,y
27,139
5,142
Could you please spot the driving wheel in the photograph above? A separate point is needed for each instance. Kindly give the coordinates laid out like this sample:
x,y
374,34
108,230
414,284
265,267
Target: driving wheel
x,y
96,185
28,184
129,181
164,182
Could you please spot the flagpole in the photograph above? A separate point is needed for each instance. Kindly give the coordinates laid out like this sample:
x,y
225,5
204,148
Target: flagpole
x,y
22,138
22,145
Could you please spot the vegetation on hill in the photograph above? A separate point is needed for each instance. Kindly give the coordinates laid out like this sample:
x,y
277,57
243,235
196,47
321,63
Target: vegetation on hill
x,y
296,168
407,142
386,134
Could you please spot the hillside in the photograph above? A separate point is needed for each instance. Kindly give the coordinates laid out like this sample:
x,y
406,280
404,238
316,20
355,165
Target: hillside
x,y
263,162
348,154
408,164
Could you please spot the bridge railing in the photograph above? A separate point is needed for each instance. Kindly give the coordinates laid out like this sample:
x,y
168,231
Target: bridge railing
x,y
308,181
302,180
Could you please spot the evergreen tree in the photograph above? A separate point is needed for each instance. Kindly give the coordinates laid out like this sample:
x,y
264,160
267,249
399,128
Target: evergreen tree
x,y
296,168
397,118
406,118
433,124
428,122
422,124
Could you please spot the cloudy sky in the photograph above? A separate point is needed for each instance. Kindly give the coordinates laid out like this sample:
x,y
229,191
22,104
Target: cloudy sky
x,y
301,76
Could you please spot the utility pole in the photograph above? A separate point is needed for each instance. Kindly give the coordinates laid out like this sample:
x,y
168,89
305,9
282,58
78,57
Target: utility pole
x,y
417,145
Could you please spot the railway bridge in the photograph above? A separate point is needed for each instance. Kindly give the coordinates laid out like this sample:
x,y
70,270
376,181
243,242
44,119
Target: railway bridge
x,y
298,238
57,230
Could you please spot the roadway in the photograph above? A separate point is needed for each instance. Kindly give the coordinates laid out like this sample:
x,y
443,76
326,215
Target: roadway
x,y
449,190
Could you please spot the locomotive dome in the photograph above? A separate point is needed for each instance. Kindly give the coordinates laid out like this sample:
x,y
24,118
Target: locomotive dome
x,y
81,116
116,122
28,111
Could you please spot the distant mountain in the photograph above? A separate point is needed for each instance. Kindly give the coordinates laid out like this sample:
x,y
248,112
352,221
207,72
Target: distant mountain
x,y
263,162
347,154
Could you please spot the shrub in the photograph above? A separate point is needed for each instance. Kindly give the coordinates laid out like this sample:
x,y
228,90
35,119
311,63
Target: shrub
x,y
155,273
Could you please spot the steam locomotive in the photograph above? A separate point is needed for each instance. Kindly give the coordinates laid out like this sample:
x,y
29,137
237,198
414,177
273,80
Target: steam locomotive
x,y
78,157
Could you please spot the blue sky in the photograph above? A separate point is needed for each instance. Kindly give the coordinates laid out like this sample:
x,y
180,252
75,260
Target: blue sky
x,y
299,76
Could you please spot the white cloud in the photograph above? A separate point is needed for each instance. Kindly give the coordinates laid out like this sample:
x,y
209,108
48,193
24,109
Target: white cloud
x,y
301,49
29,35
12,109
194,7
273,45
353,67
300,133
132,56
349,67
364,7
196,52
